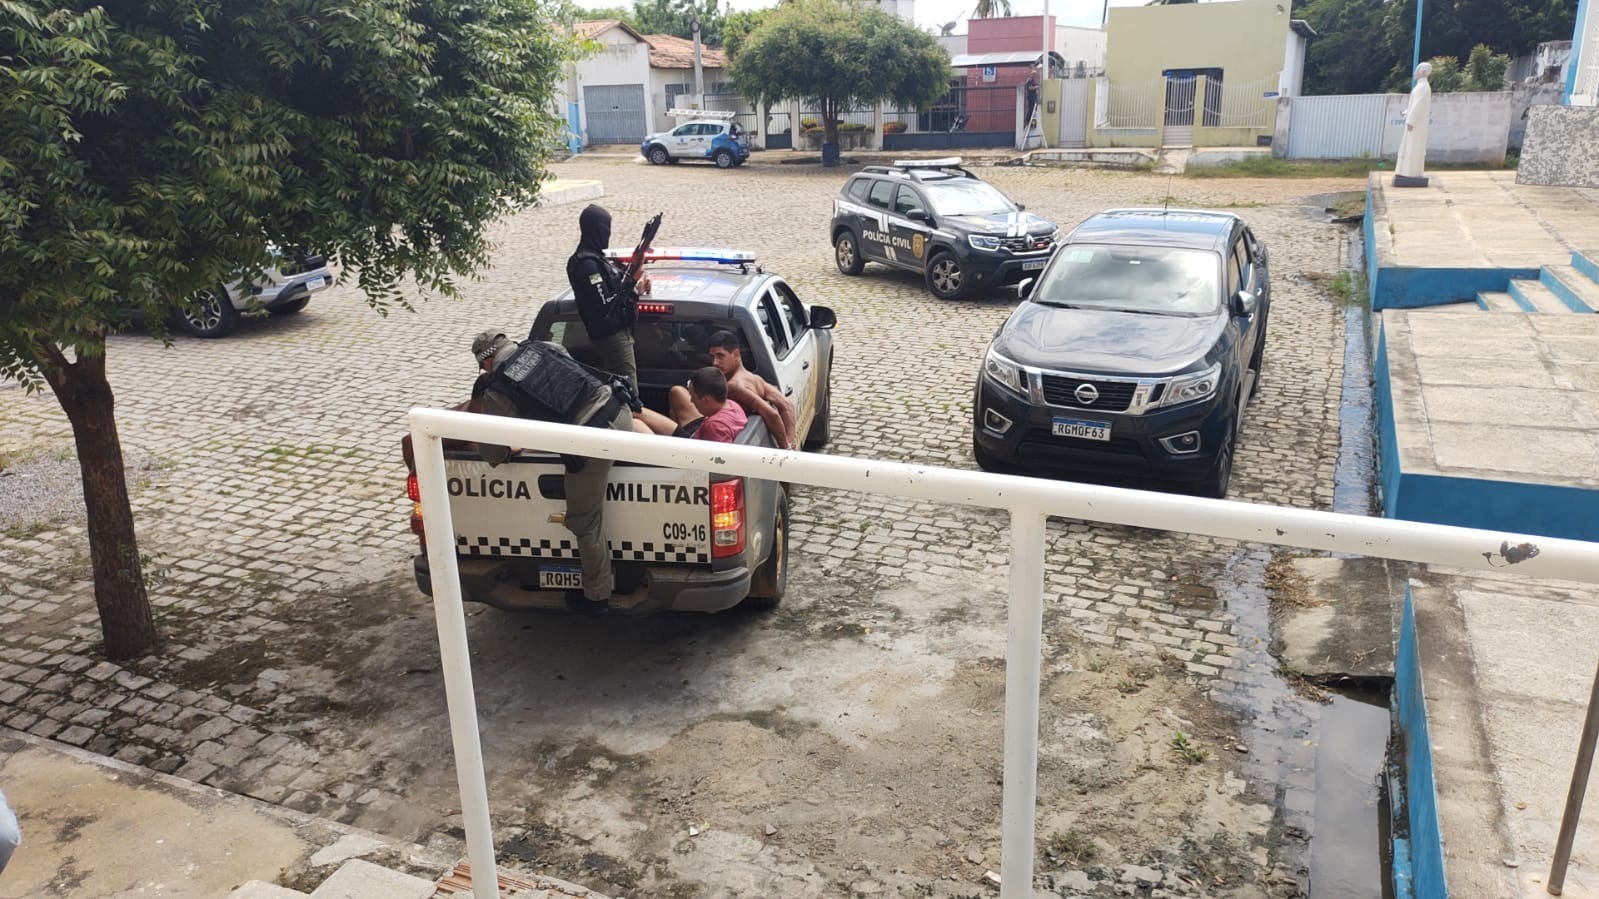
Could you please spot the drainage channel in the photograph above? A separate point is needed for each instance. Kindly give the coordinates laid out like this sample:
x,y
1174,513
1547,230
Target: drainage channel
x,y
1321,753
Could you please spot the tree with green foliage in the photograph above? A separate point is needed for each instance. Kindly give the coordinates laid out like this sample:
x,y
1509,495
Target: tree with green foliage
x,y
1484,71
836,55
1366,45
153,148
988,9
676,17
738,25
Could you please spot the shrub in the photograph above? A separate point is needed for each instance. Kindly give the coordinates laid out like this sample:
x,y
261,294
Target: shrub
x,y
893,127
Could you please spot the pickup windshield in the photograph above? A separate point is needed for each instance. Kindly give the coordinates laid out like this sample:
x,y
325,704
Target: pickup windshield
x,y
1161,280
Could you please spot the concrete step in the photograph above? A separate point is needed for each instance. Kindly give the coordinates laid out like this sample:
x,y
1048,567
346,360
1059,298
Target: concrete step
x,y
357,879
1587,262
260,889
1571,286
1533,296
1497,302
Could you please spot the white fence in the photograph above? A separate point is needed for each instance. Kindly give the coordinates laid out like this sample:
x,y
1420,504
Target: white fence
x,y
1132,106
1029,501
1466,127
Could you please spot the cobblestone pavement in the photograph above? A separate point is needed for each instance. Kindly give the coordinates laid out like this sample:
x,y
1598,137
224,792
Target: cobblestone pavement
x,y
302,662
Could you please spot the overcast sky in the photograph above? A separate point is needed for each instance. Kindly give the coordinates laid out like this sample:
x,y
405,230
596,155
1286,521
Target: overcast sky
x,y
933,13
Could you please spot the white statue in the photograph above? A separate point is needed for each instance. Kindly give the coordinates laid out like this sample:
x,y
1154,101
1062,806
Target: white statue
x,y
1413,145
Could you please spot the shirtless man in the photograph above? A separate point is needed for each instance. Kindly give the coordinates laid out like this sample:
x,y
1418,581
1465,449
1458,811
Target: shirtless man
x,y
751,390
702,410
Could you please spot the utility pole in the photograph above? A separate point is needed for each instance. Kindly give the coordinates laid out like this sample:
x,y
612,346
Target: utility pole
x,y
699,73
1415,55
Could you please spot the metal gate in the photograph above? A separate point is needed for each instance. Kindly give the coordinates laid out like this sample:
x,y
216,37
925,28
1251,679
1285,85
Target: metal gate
x,y
1336,127
1074,112
615,113
1180,90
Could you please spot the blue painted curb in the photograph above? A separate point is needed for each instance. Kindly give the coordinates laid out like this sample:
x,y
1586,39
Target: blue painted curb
x,y
1514,289
1418,859
1589,267
1563,290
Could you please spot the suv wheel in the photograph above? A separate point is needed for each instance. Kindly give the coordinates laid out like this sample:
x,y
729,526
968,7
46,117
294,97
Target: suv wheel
x,y
212,314
724,159
1215,484
659,156
847,253
944,276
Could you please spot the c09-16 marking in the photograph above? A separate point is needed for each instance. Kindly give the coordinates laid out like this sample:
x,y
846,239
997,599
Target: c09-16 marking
x,y
674,530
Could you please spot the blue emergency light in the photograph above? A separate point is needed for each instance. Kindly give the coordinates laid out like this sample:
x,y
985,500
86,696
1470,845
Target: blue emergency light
x,y
719,255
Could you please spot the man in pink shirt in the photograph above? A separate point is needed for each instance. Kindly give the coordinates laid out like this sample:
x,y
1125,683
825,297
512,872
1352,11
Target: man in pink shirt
x,y
701,411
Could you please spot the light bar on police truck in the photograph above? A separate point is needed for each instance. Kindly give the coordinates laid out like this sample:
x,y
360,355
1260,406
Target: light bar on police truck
x,y
942,163
721,255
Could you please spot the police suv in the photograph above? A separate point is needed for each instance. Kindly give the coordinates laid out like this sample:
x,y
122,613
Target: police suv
x,y
938,219
709,134
695,541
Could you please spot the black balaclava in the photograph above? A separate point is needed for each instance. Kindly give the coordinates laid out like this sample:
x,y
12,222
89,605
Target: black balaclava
x,y
594,224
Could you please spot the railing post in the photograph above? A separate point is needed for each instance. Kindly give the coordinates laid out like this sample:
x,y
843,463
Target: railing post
x,y
1579,786
1023,659
456,662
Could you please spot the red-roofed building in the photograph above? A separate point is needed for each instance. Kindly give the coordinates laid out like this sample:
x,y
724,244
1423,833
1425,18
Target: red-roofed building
x,y
627,81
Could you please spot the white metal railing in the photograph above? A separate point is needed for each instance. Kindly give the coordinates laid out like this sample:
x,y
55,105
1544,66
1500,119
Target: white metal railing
x,y
1123,105
1230,105
1029,501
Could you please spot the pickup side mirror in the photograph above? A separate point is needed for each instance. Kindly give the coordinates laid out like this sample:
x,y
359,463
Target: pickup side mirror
x,y
1021,207
1023,288
916,214
823,318
1244,303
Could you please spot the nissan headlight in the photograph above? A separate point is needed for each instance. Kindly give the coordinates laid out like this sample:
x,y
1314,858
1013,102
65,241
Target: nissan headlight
x,y
1004,372
984,241
1189,388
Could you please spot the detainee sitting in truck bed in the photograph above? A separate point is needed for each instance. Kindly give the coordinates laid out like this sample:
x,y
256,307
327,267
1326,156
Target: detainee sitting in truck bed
x,y
751,391
700,409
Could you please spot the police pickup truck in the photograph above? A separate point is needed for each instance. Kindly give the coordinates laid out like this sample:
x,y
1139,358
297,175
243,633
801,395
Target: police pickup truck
x,y
694,541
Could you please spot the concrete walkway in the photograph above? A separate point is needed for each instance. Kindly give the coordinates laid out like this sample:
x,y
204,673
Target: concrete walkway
x,y
93,827
1507,666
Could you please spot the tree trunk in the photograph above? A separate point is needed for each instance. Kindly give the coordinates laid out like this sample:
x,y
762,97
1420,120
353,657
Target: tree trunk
x,y
829,132
125,617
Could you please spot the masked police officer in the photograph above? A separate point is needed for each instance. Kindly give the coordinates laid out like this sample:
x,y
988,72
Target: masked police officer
x,y
606,298
541,381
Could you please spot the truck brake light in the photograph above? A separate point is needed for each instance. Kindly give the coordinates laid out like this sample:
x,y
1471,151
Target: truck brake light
x,y
414,491
655,308
727,518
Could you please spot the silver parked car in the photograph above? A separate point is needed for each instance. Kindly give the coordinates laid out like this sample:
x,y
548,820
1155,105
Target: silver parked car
x,y
283,290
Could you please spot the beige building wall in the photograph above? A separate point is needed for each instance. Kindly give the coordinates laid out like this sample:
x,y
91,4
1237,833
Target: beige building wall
x,y
1243,38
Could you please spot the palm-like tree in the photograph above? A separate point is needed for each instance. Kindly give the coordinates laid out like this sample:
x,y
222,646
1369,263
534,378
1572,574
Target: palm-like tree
x,y
987,9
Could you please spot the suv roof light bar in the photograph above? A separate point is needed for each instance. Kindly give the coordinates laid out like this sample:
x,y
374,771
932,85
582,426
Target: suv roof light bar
x,y
719,255
722,114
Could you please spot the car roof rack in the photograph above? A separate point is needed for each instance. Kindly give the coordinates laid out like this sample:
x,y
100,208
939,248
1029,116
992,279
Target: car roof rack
x,y
744,259
721,114
945,166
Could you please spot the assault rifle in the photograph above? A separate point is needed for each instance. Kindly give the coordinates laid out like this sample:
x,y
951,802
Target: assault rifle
x,y
643,248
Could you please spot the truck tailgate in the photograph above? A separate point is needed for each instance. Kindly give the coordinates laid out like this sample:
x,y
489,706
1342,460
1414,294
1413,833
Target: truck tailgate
x,y
517,509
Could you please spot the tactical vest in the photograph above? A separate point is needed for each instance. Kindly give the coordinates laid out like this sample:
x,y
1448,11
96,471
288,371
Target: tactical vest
x,y
609,318
545,383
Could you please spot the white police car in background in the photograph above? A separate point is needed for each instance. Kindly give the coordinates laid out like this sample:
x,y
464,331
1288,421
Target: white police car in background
x,y
283,289
709,134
